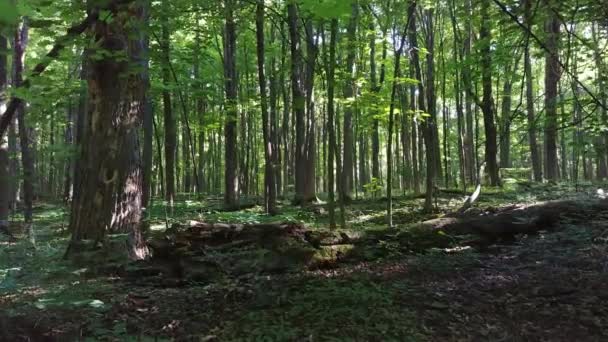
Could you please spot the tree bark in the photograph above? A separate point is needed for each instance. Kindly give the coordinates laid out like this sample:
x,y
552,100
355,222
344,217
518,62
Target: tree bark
x,y
348,167
169,120
269,158
429,141
552,76
469,145
331,63
230,124
148,119
298,104
117,102
25,133
487,100
5,183
530,109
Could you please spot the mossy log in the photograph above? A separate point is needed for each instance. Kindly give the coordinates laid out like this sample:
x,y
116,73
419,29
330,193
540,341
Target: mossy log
x,y
216,249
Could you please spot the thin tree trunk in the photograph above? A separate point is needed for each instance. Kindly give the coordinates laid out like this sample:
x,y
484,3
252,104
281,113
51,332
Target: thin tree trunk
x,y
552,76
488,101
230,129
348,166
148,119
5,186
25,133
169,120
269,174
537,169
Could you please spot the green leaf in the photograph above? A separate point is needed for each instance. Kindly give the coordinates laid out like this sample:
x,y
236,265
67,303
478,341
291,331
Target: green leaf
x,y
8,12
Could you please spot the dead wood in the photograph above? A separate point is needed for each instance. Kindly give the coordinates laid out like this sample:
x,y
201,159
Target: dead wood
x,y
504,223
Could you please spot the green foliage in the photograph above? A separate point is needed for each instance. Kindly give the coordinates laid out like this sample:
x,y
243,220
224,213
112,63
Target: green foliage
x,y
373,186
328,9
8,12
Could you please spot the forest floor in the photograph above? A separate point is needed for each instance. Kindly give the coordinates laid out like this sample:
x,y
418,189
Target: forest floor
x,y
548,287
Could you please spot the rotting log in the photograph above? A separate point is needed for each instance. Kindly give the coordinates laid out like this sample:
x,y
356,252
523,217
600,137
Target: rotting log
x,y
506,222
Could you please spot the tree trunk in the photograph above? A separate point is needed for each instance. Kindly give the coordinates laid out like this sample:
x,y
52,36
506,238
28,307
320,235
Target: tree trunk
x,y
530,109
427,124
309,185
169,120
269,174
331,62
469,145
552,76
5,183
25,133
116,110
415,133
230,129
505,120
298,104
488,101
348,166
148,119
602,74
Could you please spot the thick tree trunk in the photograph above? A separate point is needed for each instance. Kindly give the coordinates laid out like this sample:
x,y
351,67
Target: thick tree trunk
x,y
552,76
230,124
117,103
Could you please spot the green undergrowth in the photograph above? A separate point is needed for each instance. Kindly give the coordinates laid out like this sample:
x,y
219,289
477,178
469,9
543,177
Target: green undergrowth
x,y
323,306
354,309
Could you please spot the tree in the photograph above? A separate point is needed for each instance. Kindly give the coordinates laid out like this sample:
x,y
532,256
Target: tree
x,y
331,66
169,120
4,155
427,121
230,135
117,102
531,111
269,173
20,42
302,138
552,76
487,104
348,166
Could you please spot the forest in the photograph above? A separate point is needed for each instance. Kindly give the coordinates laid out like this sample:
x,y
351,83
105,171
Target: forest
x,y
304,170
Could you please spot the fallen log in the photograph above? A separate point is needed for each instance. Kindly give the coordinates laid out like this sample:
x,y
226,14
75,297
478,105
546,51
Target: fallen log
x,y
505,223
201,249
